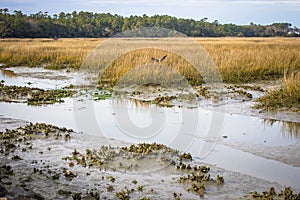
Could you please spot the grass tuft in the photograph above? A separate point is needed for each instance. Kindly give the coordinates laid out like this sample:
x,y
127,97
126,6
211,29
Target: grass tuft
x,y
287,96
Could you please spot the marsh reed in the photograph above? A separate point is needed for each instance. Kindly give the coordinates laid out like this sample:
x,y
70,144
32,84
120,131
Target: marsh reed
x,y
242,60
238,60
48,53
287,96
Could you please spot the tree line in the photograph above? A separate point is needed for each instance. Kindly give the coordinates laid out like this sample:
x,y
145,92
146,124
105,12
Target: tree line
x,y
89,24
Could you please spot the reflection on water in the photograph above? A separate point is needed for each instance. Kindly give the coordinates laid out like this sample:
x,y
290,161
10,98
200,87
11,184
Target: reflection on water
x,y
7,74
290,129
135,103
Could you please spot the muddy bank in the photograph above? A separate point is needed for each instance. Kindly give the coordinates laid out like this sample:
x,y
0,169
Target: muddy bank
x,y
97,120
286,154
40,172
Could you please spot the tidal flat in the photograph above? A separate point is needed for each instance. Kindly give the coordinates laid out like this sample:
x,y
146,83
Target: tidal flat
x,y
84,147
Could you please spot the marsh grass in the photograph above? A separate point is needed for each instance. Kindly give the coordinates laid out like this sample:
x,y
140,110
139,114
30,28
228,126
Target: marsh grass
x,y
118,57
242,60
287,96
136,67
239,60
49,53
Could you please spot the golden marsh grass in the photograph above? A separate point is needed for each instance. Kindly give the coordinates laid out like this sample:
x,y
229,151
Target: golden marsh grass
x,y
239,60
184,57
52,54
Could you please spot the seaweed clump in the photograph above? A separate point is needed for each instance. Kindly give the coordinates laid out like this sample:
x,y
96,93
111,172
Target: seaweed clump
x,y
286,194
33,96
23,135
106,156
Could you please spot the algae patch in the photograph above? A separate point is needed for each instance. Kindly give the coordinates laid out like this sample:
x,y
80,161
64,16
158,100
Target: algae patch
x,y
33,96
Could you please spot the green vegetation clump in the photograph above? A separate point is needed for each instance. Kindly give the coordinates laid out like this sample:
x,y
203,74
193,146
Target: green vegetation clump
x,y
48,97
185,156
197,177
110,188
203,91
164,100
102,95
286,194
146,148
285,97
106,156
9,138
123,194
33,96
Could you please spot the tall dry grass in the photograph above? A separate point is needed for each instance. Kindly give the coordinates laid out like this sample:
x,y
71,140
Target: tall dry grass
x,y
49,53
136,67
117,57
241,60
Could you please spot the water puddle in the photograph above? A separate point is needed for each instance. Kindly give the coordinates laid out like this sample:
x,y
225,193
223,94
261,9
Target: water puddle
x,y
39,77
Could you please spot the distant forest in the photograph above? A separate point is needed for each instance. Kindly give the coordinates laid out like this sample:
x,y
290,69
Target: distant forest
x,y
89,24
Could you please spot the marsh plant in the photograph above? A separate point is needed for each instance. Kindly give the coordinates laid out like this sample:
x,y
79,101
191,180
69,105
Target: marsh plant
x,y
285,97
33,96
239,60
133,60
131,158
49,53
242,60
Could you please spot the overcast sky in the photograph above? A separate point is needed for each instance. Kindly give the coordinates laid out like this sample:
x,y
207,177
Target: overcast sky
x,y
231,11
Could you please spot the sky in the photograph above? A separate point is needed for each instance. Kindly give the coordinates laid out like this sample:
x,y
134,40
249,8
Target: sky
x,y
225,11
